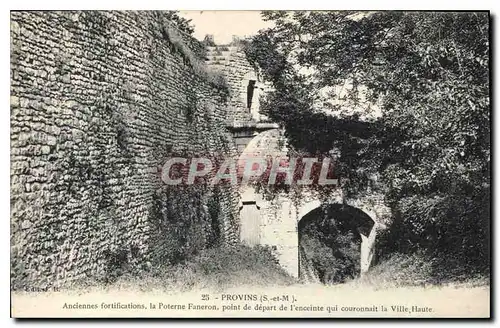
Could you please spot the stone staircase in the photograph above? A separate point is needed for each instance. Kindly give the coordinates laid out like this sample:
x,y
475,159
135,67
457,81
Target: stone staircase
x,y
218,56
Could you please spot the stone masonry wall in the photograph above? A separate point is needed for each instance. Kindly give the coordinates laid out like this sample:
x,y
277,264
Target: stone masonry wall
x,y
232,61
99,101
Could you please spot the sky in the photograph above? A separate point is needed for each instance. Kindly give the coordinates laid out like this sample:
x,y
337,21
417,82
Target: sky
x,y
224,24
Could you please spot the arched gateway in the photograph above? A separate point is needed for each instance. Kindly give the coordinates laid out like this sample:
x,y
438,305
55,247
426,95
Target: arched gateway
x,y
275,221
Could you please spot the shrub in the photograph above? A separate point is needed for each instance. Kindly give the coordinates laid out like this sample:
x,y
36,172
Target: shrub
x,y
217,269
400,270
214,77
417,269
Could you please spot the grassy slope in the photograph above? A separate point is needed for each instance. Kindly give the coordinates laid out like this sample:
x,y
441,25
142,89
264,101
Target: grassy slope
x,y
215,269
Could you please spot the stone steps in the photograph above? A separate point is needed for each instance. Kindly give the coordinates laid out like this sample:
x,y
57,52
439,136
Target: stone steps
x,y
219,55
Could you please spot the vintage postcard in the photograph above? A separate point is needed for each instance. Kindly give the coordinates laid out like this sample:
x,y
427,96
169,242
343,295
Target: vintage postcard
x,y
257,164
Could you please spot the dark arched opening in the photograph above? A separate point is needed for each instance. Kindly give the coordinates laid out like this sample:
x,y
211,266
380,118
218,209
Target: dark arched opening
x,y
250,91
330,243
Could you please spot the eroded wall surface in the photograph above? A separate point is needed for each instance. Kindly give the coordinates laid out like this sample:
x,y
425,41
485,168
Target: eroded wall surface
x,y
99,101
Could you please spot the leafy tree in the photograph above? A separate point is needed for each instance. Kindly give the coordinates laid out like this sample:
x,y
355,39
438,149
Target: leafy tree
x,y
428,74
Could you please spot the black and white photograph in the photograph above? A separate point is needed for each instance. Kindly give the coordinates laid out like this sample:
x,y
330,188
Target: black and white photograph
x,y
250,163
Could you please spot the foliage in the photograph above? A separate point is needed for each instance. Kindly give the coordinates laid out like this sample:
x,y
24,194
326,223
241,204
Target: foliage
x,y
208,41
428,73
402,270
174,29
417,269
215,268
330,242
179,22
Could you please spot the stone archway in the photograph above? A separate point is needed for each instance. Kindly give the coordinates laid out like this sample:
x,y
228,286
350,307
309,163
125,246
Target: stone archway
x,y
274,222
365,224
